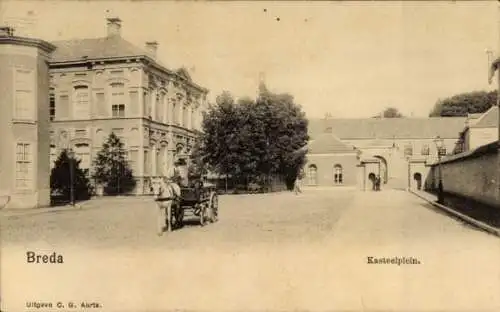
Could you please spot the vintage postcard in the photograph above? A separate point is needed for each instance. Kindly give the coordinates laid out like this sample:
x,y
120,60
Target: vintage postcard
x,y
249,156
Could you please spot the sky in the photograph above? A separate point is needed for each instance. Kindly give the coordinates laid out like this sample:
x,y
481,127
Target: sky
x,y
349,59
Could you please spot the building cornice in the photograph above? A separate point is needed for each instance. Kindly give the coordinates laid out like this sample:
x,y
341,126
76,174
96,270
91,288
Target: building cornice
x,y
145,59
36,43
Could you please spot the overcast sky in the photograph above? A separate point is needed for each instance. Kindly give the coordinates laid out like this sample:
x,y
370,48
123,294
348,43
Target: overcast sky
x,y
351,59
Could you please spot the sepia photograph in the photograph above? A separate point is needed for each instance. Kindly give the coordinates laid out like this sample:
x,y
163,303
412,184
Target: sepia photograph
x,y
249,156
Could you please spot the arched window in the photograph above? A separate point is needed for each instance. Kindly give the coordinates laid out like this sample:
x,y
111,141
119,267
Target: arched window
x,y
408,149
312,175
53,155
134,137
117,100
82,152
337,174
81,104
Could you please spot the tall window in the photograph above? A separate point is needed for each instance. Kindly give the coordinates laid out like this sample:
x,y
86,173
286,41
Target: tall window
x,y
63,107
119,133
337,174
160,106
81,107
425,149
24,161
146,163
184,116
408,150
24,101
52,105
117,100
82,152
175,112
147,105
442,151
53,155
193,119
134,103
312,175
133,157
99,137
134,137
159,162
100,104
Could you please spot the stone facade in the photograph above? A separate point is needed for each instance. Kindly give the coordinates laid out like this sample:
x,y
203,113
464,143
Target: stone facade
x,y
400,150
118,87
24,144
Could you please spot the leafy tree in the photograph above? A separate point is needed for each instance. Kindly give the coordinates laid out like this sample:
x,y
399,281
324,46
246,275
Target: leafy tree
x,y
390,112
111,168
285,132
252,139
464,103
197,168
60,178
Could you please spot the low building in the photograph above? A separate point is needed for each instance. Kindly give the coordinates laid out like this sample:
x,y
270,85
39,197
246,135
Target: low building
x,y
107,84
24,121
481,129
399,150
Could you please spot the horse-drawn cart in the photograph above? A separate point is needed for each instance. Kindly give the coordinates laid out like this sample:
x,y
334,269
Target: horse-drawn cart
x,y
200,201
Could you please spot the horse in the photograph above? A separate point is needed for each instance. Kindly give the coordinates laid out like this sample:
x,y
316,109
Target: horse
x,y
167,196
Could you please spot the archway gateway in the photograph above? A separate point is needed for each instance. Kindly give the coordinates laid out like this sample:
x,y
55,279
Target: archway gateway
x,y
383,169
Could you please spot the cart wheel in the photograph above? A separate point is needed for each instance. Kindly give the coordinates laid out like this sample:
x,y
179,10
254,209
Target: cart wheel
x,y
214,207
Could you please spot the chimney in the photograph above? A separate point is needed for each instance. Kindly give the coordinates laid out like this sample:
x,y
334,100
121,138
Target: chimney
x,y
151,48
6,31
114,26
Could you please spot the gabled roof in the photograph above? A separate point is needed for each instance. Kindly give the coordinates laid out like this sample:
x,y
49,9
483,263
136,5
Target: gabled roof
x,y
327,143
94,48
488,120
389,128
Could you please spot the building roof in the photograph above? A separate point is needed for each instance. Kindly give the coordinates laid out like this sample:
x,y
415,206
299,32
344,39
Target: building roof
x,y
389,128
107,48
328,143
488,120
7,37
94,48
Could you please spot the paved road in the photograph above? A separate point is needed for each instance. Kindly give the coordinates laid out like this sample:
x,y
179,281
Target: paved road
x,y
272,251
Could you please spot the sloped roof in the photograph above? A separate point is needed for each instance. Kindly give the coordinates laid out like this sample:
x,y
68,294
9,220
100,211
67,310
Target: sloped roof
x,y
327,143
94,48
389,128
488,120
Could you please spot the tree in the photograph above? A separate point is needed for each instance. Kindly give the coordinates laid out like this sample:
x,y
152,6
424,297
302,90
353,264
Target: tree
x,y
390,112
60,178
111,168
285,131
464,103
253,139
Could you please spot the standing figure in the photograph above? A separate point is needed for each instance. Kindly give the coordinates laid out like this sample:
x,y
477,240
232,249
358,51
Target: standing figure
x,y
297,183
377,183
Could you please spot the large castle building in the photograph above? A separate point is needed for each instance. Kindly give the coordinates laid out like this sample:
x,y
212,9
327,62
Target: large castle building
x,y
104,85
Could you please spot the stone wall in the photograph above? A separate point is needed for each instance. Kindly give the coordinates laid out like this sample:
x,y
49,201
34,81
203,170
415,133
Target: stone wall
x,y
473,174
